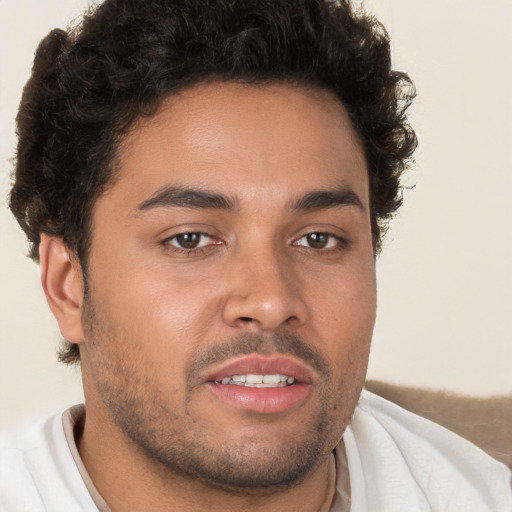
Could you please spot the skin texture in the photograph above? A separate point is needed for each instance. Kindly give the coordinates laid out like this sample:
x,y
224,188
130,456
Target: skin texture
x,y
158,320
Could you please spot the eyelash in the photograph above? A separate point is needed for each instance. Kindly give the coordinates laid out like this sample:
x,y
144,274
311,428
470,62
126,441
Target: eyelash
x,y
342,243
197,251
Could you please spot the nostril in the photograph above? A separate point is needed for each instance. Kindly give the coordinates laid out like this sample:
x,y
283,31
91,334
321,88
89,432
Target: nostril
x,y
246,319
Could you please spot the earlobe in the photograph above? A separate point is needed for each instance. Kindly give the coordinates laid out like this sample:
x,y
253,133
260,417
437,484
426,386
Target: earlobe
x,y
62,281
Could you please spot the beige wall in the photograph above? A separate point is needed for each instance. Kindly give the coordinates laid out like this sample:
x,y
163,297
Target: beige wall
x,y
445,278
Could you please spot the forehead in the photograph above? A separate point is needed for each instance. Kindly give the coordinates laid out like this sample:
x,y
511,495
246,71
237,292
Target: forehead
x,y
247,141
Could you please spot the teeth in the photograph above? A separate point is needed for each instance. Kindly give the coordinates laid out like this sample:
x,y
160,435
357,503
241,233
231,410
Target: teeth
x,y
251,380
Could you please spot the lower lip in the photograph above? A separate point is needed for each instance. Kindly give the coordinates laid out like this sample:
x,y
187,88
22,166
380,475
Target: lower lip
x,y
262,400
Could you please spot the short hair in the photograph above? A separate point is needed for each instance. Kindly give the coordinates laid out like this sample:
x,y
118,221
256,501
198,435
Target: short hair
x,y
89,85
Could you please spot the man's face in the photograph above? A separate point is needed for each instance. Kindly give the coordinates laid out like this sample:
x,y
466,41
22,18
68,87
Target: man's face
x,y
234,245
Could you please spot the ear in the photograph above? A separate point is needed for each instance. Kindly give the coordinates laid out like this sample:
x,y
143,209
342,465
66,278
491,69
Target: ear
x,y
63,285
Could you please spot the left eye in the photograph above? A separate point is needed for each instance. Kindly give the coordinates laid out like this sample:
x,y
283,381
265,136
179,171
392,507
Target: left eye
x,y
190,241
318,241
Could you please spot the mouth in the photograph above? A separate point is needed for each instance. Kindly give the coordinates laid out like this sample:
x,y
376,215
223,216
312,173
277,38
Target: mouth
x,y
263,384
252,380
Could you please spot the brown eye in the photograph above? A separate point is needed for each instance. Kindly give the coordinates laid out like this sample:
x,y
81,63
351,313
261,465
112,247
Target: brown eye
x,y
190,241
318,240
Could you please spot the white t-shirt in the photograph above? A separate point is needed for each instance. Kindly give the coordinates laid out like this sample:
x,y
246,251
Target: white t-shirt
x,y
389,460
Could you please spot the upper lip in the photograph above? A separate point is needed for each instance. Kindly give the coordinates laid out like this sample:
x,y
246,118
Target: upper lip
x,y
262,365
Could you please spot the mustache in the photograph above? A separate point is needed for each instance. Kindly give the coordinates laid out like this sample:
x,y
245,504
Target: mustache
x,y
263,344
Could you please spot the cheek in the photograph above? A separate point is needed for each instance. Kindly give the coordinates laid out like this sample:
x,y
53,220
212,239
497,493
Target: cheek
x,y
344,316
346,301
156,304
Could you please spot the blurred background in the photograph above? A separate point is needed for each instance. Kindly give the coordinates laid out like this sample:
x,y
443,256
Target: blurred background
x,y
445,274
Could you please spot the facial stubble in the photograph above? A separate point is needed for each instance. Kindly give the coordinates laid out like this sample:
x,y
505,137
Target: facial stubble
x,y
169,433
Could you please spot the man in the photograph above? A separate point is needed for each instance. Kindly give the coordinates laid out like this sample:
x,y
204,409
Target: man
x,y
205,185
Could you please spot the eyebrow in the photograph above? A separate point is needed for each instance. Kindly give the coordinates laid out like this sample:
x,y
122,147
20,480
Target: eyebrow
x,y
188,198
323,199
203,199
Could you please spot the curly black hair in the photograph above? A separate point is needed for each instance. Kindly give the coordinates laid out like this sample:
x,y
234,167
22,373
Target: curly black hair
x,y
89,85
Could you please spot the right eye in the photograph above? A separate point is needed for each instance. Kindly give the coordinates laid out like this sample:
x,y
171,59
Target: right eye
x,y
190,241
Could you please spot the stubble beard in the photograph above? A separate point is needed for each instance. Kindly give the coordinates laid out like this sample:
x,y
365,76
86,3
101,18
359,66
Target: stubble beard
x,y
141,408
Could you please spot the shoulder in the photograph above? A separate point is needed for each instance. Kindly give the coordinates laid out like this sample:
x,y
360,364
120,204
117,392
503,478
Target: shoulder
x,y
413,462
37,471
23,454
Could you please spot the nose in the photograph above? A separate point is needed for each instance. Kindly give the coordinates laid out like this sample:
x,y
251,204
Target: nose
x,y
264,294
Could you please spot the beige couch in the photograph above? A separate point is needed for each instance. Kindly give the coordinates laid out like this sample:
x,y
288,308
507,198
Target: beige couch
x,y
487,422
